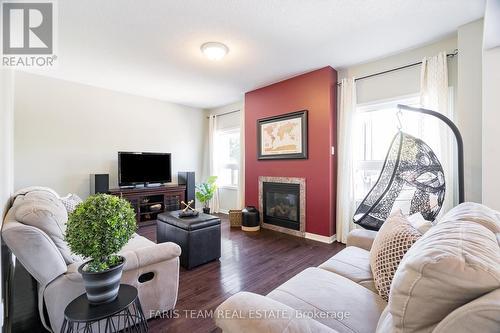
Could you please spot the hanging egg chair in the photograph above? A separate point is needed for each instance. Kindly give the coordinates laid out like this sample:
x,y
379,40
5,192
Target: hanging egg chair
x,y
412,179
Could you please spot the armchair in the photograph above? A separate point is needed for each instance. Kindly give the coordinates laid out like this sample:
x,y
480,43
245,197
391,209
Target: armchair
x,y
152,268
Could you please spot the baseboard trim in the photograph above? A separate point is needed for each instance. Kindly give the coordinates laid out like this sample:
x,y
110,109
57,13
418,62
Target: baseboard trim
x,y
320,238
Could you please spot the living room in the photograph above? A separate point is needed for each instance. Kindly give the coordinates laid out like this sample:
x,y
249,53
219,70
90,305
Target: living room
x,y
238,166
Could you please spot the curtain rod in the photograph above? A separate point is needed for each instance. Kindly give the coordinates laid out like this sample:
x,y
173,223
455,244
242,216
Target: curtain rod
x,y
225,113
450,55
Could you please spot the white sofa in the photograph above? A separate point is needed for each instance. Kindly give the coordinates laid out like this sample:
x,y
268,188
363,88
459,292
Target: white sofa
x,y
449,281
28,230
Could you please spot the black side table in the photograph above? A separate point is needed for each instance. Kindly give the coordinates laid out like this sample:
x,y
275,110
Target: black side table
x,y
124,313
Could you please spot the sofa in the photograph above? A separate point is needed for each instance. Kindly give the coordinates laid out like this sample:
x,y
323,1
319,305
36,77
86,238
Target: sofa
x,y
448,281
33,229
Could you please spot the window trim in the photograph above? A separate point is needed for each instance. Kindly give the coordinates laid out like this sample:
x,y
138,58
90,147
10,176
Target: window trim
x,y
387,103
228,187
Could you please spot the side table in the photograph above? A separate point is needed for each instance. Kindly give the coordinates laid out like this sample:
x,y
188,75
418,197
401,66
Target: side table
x,y
124,313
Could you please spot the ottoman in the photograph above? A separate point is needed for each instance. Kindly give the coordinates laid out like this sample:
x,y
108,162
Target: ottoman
x,y
199,237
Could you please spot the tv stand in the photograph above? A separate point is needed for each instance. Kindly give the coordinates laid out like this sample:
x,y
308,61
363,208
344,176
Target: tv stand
x,y
149,201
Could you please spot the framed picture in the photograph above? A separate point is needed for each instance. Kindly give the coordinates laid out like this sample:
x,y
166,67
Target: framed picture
x,y
282,137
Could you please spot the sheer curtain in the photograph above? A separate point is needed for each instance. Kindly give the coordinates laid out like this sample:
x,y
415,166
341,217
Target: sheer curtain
x,y
212,166
241,174
434,96
346,203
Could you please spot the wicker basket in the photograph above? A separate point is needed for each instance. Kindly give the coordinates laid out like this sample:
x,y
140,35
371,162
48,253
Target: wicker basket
x,y
235,217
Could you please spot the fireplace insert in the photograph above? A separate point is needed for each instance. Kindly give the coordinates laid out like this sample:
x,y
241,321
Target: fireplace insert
x,y
281,204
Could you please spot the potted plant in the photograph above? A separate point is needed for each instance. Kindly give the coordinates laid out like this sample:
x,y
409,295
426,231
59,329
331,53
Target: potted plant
x,y
97,229
205,192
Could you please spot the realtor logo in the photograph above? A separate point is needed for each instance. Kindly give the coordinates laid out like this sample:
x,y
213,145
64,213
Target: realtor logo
x,y
28,29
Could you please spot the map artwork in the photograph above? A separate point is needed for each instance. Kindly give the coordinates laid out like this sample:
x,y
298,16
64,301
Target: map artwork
x,y
282,137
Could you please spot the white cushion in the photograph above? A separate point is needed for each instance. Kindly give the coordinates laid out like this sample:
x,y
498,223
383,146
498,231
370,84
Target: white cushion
x,y
336,301
474,212
455,262
481,315
419,223
354,264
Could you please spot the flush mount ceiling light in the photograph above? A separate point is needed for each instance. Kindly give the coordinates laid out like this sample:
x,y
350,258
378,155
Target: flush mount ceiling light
x,y
214,50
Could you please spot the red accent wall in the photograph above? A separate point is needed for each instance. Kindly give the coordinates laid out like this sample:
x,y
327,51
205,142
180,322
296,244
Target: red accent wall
x,y
316,92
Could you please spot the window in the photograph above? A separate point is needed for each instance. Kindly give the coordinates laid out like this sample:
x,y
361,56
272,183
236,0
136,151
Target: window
x,y
375,126
228,157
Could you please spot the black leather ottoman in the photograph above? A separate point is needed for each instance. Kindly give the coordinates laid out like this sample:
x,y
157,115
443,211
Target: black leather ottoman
x,y
199,237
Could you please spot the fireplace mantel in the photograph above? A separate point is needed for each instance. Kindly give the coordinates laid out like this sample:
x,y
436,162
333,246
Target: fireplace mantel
x,y
287,180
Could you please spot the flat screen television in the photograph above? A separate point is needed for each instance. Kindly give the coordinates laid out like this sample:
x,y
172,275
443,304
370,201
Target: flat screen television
x,y
144,168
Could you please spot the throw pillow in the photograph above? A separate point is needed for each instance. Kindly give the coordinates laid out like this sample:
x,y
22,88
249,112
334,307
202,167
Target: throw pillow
x,y
419,223
70,202
393,240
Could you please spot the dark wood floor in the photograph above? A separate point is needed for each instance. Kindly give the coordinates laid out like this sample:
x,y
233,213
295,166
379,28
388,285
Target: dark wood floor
x,y
256,262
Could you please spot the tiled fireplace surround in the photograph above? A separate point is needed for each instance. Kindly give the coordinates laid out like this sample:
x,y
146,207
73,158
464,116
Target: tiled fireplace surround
x,y
302,203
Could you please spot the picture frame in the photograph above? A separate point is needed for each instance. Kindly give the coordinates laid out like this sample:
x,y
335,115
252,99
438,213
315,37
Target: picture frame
x,y
283,136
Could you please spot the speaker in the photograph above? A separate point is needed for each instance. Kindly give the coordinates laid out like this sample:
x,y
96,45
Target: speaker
x,y
99,183
187,178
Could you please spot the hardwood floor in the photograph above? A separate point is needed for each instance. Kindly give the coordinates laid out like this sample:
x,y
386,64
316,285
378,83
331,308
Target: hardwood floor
x,y
256,262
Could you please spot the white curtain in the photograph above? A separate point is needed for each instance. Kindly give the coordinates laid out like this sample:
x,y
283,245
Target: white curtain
x,y
434,96
241,174
212,162
346,204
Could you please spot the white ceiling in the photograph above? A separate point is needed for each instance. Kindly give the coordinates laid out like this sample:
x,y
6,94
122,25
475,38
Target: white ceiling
x,y
151,47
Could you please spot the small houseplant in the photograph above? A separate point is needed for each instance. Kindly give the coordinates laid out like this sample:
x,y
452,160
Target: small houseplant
x,y
97,229
205,192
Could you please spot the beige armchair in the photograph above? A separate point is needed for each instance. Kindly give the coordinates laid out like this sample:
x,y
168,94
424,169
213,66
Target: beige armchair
x,y
152,268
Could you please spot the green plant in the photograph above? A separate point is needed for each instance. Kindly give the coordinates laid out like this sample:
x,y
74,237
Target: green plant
x,y
98,228
206,191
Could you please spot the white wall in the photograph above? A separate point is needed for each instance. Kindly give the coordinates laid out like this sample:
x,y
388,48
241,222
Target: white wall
x,y
6,158
6,139
407,82
491,133
469,105
65,131
491,106
228,197
492,24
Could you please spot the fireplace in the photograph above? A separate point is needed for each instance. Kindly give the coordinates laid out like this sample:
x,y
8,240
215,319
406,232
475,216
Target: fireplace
x,y
281,204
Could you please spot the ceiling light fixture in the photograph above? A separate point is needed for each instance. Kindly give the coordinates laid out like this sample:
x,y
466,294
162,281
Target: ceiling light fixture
x,y
214,50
